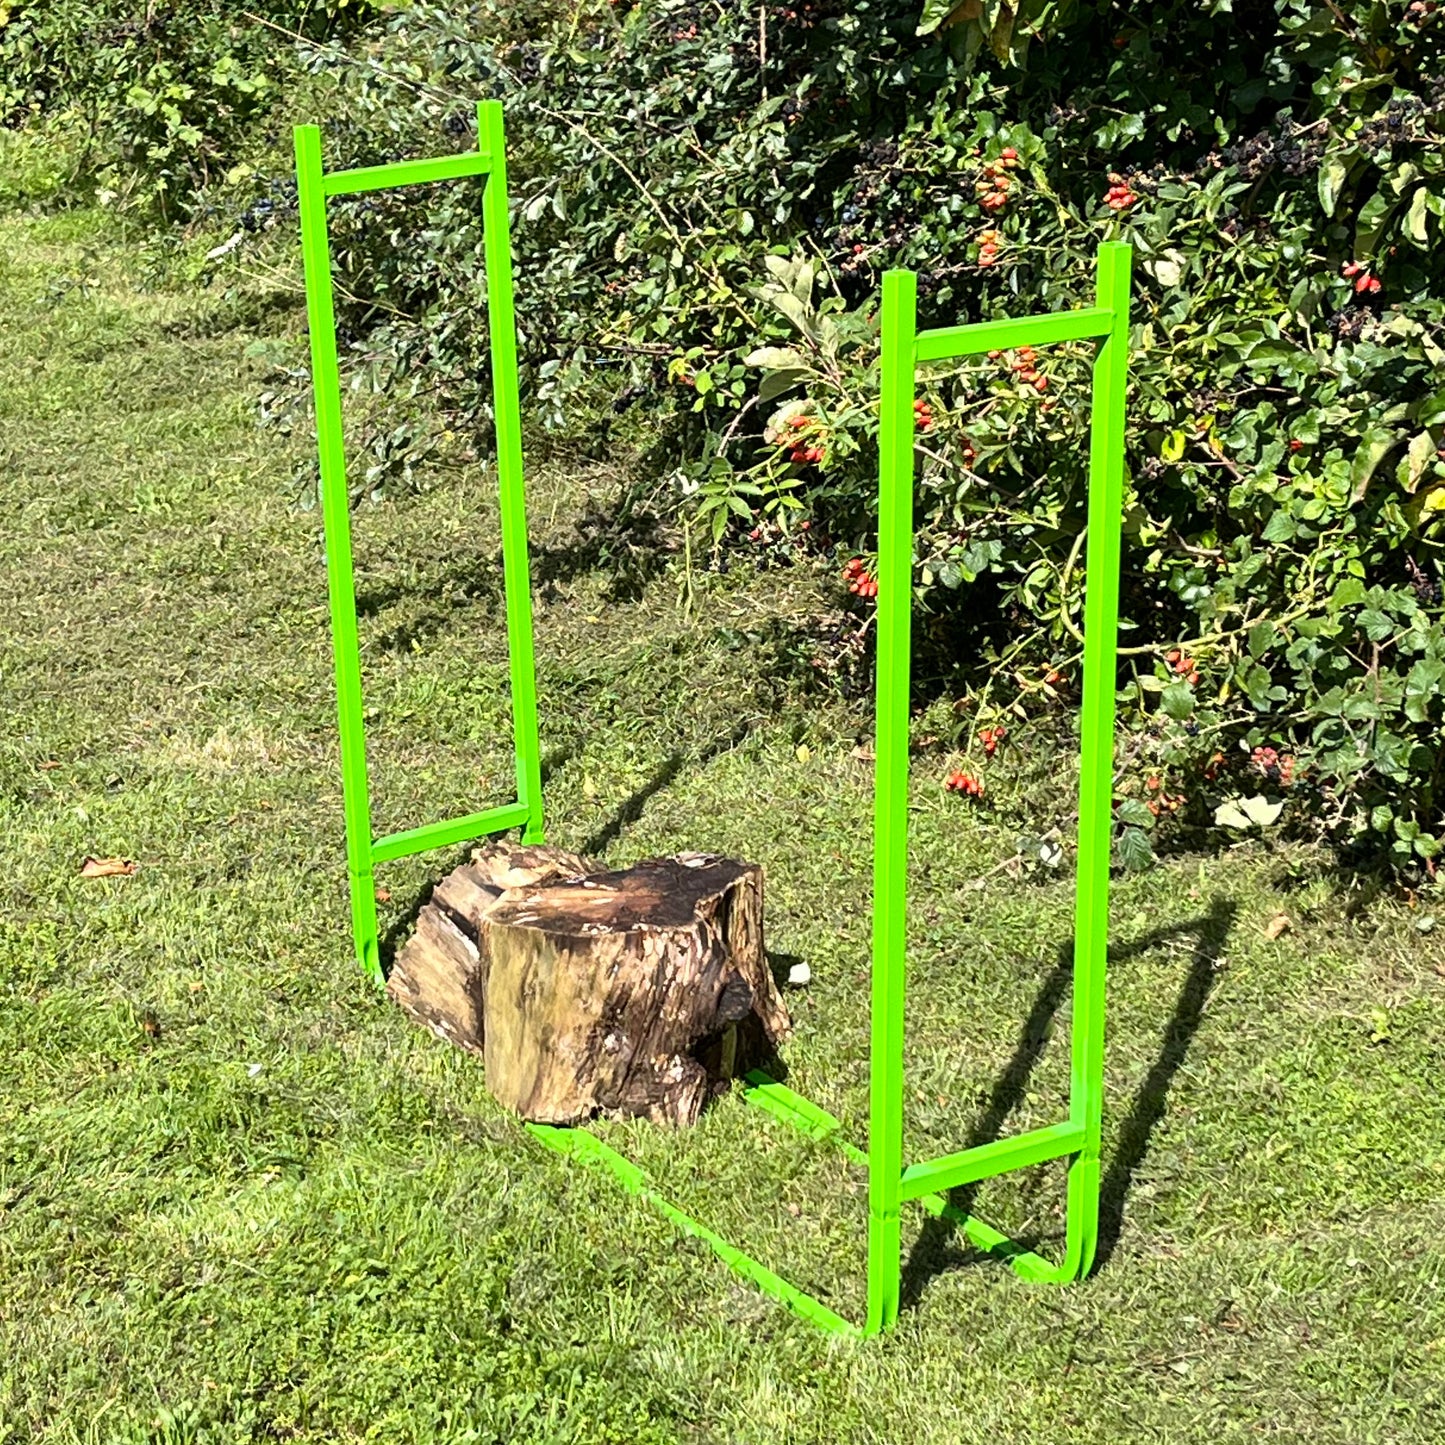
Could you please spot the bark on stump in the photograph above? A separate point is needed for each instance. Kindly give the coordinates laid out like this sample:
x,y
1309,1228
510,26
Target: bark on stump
x,y
640,991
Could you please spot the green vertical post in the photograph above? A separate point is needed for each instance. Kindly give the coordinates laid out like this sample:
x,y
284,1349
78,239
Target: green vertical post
x,y
336,519
890,797
1096,761
516,575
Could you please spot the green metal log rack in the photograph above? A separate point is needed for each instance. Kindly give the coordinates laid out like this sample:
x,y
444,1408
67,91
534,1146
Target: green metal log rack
x,y
892,1182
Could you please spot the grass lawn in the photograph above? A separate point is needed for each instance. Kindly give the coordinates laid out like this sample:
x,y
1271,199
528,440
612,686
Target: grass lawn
x,y
242,1199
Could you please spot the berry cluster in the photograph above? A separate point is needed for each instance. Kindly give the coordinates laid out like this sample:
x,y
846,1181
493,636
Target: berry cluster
x,y
1120,195
1276,766
1182,664
993,188
988,248
1420,584
922,415
991,738
860,584
965,783
1021,363
800,449
1348,324
1296,154
1162,802
1422,8
1360,274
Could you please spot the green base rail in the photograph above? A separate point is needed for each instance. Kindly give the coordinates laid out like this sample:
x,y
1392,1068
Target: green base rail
x,y
891,1181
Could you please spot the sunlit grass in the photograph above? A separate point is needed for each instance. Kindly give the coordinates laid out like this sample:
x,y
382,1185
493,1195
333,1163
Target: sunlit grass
x,y
279,1212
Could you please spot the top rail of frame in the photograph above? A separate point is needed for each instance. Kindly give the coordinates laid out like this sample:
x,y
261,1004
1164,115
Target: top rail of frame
x,y
407,173
948,342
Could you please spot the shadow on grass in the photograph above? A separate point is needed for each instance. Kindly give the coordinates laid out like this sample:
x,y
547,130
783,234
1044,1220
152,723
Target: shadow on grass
x,y
628,547
934,1253
630,810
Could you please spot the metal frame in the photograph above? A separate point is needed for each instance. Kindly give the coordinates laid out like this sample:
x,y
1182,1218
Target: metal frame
x,y
891,1181
315,186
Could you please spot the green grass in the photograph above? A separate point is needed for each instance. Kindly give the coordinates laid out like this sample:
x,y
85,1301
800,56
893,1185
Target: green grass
x,y
290,1215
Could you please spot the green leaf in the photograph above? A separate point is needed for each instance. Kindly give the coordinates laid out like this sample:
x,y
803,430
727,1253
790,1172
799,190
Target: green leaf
x,y
1374,447
1177,700
1280,527
1134,850
1350,593
1334,172
1246,813
1417,219
1375,624
1134,813
1418,458
775,383
774,357
1431,410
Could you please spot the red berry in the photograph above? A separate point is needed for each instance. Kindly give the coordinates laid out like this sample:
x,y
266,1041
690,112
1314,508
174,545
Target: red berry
x,y
1295,444
1009,153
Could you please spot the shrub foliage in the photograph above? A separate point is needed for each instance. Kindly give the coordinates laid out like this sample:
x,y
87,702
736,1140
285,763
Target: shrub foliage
x,y
707,194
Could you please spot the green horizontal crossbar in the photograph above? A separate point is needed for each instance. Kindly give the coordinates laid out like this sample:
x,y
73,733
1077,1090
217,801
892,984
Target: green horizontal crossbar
x,y
444,834
948,342
580,1144
406,173
986,1160
804,1115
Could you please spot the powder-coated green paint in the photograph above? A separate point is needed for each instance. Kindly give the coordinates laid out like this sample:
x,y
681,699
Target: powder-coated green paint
x,y
314,185
891,1181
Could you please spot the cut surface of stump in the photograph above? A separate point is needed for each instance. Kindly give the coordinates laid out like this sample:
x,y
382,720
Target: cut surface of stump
x,y
636,991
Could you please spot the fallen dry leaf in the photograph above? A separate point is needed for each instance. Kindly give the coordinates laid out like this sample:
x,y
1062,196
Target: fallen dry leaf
x,y
383,895
49,766
1280,923
108,867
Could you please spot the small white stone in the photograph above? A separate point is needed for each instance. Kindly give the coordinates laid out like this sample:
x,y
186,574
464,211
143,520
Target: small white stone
x,y
799,975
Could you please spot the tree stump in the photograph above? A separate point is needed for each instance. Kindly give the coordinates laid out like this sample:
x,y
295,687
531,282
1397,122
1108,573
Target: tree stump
x,y
640,991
